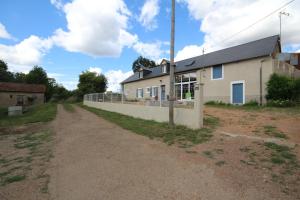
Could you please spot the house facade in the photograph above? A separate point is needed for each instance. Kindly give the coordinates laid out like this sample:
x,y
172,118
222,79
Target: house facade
x,y
234,75
21,94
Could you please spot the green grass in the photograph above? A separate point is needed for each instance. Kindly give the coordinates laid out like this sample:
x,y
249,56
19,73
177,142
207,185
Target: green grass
x,y
288,110
40,113
282,154
12,179
272,131
208,154
220,163
68,107
180,135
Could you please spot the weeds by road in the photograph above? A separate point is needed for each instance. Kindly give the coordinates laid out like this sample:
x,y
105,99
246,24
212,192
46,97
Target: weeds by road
x,y
180,135
40,113
68,107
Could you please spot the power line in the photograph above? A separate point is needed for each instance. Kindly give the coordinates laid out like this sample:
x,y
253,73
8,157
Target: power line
x,y
256,22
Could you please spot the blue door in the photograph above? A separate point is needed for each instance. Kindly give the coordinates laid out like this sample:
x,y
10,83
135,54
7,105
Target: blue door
x,y
237,93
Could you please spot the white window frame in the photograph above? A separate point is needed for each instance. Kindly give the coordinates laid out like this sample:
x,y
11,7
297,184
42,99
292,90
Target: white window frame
x,y
152,88
231,85
212,73
164,69
141,74
140,97
181,87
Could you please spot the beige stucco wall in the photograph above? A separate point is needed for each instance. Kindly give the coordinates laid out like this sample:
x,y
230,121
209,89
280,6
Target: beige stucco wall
x,y
247,71
130,88
283,68
10,98
220,90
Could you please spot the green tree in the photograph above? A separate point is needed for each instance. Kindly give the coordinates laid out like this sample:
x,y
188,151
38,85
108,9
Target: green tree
x,y
141,61
37,76
91,82
5,75
19,77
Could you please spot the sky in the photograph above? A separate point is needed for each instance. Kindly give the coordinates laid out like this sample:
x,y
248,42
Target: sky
x,y
67,37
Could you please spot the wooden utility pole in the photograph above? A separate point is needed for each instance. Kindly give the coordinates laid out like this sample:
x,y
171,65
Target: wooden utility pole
x,y
171,94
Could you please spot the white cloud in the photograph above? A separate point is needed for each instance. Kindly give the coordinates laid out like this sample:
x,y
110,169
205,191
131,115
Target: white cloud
x,y
3,32
70,85
188,52
221,19
148,13
96,28
57,3
22,56
114,77
55,75
153,50
95,69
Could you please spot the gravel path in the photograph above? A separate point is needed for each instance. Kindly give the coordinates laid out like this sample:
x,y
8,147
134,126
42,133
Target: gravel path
x,y
95,159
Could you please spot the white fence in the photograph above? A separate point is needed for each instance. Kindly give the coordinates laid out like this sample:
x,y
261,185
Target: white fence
x,y
119,98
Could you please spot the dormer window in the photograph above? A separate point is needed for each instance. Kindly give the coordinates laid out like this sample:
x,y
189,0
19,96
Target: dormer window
x,y
164,69
141,74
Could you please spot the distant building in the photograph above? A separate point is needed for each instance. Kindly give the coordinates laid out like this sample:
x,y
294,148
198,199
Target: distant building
x,y
12,94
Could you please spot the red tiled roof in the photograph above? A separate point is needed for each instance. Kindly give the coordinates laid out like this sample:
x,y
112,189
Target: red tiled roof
x,y
22,87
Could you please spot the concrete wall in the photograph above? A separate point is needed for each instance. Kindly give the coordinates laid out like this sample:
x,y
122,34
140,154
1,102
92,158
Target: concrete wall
x,y
10,98
220,90
283,68
182,116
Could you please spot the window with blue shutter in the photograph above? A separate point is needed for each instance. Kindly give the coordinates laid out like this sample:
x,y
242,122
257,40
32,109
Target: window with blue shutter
x,y
217,72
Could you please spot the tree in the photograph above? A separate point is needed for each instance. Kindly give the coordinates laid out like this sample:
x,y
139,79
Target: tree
x,y
171,95
37,76
5,75
91,82
19,77
141,61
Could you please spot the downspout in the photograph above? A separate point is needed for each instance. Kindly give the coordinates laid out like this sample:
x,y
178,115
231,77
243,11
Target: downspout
x,y
260,83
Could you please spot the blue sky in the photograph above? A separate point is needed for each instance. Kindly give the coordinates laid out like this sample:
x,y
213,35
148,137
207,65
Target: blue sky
x,y
68,37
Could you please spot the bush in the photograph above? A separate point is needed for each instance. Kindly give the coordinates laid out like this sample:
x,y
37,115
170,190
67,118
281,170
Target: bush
x,y
251,103
280,88
216,103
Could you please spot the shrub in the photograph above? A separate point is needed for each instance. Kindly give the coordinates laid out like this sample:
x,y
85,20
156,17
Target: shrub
x,y
280,88
251,103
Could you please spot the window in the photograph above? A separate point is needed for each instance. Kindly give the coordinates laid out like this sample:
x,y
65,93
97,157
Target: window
x,y
148,89
164,69
154,91
141,74
217,72
184,86
139,93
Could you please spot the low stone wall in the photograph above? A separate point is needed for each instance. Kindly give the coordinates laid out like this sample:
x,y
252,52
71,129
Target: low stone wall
x,y
182,116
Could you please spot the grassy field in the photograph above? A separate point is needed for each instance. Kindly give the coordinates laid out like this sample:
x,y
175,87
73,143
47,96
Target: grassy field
x,y
40,113
180,135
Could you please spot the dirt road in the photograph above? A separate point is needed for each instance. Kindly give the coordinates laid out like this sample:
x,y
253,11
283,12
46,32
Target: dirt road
x,y
95,159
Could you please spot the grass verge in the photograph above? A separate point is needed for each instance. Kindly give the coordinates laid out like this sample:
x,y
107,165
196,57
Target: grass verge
x,y
68,107
272,131
41,113
180,135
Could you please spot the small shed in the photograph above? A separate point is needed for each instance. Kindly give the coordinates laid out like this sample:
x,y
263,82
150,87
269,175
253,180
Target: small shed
x,y
21,94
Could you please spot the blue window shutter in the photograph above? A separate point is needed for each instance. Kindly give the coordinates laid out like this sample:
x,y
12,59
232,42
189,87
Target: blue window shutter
x,y
217,71
137,93
150,91
142,93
